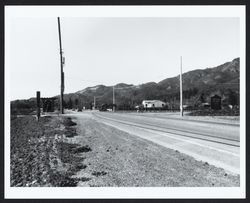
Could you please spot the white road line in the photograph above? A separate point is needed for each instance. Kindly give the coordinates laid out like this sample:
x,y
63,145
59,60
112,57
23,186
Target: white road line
x,y
181,139
227,160
159,128
193,142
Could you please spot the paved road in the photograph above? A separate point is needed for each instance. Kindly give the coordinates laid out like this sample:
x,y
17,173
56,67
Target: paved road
x,y
214,142
128,160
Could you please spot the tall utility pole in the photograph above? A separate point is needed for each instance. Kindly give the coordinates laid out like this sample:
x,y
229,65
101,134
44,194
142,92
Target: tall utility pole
x,y
181,106
113,98
62,62
95,97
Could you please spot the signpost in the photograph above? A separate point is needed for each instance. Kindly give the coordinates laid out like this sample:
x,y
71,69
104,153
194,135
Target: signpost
x,y
113,98
38,105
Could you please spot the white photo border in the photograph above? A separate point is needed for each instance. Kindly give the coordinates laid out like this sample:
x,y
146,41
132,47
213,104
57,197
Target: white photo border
x,y
127,192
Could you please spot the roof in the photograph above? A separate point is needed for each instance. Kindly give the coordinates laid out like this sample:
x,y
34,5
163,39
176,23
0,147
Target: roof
x,y
48,98
216,96
152,101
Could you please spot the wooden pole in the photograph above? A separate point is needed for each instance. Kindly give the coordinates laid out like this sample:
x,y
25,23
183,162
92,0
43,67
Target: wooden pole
x,y
113,98
38,105
62,74
181,106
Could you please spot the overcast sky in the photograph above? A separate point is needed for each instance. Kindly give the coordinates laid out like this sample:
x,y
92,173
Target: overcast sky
x,y
114,50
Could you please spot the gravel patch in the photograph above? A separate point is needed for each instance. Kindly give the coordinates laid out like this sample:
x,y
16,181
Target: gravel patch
x,y
120,159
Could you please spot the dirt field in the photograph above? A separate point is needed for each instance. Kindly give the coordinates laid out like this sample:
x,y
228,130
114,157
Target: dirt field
x,y
40,153
57,152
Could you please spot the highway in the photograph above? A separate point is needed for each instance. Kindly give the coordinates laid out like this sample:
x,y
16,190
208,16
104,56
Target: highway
x,y
214,142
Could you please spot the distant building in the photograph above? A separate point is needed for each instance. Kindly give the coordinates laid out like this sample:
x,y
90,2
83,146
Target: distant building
x,y
153,104
48,104
216,102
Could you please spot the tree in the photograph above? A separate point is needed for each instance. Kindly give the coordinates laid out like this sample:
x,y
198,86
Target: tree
x,y
76,102
202,98
232,98
70,104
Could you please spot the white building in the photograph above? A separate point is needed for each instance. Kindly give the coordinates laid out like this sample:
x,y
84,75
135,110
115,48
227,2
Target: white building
x,y
153,104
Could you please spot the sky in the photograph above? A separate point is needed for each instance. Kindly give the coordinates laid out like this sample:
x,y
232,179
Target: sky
x,y
114,50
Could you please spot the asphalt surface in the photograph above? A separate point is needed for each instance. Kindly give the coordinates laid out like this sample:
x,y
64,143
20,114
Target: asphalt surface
x,y
215,142
124,156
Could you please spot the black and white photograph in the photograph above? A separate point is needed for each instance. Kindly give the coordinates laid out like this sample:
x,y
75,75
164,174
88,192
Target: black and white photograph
x,y
125,101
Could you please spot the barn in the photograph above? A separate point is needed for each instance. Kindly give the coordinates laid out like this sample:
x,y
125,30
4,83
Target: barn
x,y
153,104
48,104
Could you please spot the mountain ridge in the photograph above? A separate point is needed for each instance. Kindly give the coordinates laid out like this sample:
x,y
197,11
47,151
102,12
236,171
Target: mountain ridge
x,y
198,86
222,80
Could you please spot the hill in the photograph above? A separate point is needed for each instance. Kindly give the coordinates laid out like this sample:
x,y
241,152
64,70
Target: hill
x,y
198,86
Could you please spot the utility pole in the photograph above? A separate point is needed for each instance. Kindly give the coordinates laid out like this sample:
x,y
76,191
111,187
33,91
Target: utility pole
x,y
95,97
62,62
181,106
113,98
